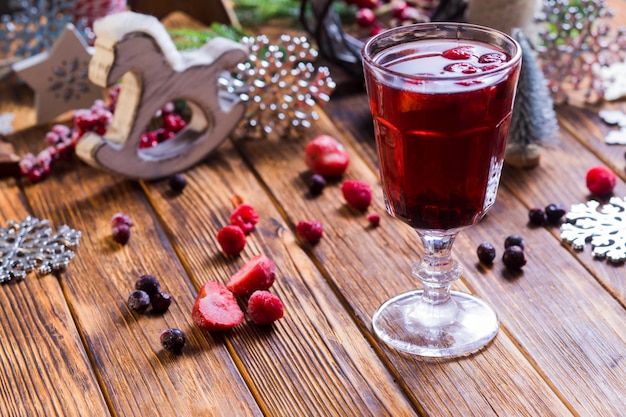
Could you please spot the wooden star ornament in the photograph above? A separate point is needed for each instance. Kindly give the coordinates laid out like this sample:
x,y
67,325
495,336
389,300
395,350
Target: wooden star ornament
x,y
59,77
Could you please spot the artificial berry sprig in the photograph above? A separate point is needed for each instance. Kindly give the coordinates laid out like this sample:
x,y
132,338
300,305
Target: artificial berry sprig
x,y
372,16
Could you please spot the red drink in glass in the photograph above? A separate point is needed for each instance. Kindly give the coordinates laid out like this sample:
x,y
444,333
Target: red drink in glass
x,y
441,131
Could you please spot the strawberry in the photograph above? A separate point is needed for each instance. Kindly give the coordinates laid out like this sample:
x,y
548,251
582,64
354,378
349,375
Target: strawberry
x,y
601,180
326,157
258,273
310,231
358,194
245,217
231,239
216,308
265,308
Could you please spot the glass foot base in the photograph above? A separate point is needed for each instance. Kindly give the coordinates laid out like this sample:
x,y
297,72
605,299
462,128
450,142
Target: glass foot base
x,y
457,328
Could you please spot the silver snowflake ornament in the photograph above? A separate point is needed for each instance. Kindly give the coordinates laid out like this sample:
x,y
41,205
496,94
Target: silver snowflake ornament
x,y
604,226
280,84
32,245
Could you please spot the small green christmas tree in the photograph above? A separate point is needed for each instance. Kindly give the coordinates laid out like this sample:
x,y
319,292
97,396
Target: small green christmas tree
x,y
533,121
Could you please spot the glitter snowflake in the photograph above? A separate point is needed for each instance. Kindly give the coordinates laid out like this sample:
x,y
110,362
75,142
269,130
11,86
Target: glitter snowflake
x,y
602,226
34,26
280,84
575,42
32,245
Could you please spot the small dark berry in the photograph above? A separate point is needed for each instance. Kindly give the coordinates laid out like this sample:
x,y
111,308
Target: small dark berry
x,y
316,184
514,240
149,284
161,302
121,233
177,182
121,218
554,213
173,340
486,253
139,301
513,258
537,216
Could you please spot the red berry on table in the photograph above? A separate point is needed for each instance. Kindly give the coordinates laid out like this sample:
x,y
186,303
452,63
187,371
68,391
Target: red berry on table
x,y
216,308
601,180
231,239
265,308
245,217
365,17
310,231
357,194
459,53
258,273
326,157
373,219
173,340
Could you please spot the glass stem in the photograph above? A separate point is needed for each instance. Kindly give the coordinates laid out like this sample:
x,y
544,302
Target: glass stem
x,y
436,270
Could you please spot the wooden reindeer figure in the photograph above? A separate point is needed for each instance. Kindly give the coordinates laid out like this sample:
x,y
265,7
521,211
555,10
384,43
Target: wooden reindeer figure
x,y
137,50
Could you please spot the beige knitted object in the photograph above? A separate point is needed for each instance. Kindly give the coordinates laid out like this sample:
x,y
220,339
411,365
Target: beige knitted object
x,y
504,15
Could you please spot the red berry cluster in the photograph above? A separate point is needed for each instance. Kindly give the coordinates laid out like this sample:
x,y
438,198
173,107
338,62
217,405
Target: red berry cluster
x,y
376,15
232,238
171,124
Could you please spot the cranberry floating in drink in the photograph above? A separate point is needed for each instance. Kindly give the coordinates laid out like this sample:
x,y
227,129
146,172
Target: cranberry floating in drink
x,y
441,96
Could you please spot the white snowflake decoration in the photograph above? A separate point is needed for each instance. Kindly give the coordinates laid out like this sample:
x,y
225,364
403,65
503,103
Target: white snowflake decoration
x,y
576,41
280,84
602,226
614,117
32,245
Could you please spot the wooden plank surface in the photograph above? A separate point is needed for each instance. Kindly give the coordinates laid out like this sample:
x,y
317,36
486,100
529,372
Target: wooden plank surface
x,y
79,350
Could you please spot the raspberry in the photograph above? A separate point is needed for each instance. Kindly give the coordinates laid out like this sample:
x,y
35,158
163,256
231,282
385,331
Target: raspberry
x,y
601,180
486,253
138,301
161,302
358,194
462,67
493,58
177,182
121,233
326,157
245,217
310,231
537,216
216,308
514,240
513,258
231,239
258,273
149,284
365,17
173,340
459,53
265,308
374,219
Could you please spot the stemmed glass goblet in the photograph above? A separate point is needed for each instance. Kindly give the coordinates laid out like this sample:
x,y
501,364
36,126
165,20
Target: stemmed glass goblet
x,y
441,95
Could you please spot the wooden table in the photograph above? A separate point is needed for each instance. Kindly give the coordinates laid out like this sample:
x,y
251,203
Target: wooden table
x,y
71,347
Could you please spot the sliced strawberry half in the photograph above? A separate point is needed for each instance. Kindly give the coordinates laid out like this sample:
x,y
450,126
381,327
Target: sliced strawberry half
x,y
258,273
326,157
216,308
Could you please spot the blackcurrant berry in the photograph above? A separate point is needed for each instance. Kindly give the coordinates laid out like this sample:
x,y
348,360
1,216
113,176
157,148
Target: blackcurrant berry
x,y
486,253
173,340
177,182
139,301
514,258
514,240
554,213
537,217
149,284
121,233
161,302
316,184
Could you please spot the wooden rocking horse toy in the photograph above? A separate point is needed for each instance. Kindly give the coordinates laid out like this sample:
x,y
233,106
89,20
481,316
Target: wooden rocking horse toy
x,y
137,49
